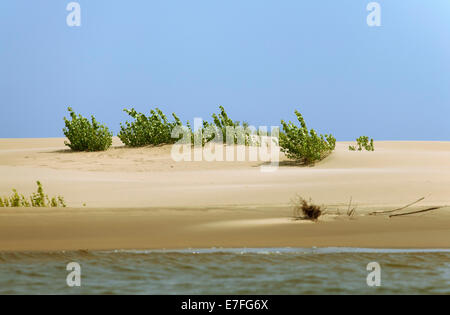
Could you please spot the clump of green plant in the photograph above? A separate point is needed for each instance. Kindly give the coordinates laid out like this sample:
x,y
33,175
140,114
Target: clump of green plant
x,y
241,132
224,129
156,129
363,143
37,199
85,135
303,145
306,210
148,130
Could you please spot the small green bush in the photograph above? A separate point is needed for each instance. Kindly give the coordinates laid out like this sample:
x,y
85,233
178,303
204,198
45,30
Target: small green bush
x,y
85,135
303,145
148,130
37,199
363,143
241,135
156,129
217,130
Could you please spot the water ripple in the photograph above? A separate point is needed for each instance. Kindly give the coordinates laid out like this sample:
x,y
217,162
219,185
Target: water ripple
x,y
228,271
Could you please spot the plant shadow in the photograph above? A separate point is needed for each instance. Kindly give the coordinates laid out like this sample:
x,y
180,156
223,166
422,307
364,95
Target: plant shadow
x,y
286,164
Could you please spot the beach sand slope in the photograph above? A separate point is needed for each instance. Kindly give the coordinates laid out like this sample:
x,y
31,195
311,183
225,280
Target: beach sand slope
x,y
141,198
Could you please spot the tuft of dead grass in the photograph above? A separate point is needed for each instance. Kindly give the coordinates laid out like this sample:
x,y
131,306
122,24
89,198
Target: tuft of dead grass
x,y
306,210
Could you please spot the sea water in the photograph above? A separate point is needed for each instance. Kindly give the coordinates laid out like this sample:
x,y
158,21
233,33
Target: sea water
x,y
228,271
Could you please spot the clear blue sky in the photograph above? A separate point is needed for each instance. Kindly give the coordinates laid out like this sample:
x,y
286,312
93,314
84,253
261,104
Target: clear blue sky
x,y
260,59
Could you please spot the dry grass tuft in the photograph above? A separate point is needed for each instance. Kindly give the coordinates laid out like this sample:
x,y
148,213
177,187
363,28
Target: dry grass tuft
x,y
306,210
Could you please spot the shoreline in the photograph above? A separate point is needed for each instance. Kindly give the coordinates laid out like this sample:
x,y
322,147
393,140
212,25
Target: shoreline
x,y
240,250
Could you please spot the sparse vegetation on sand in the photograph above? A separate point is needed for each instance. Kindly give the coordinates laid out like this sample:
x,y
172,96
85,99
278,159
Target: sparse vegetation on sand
x,y
306,210
298,142
363,143
156,129
37,199
85,135
303,145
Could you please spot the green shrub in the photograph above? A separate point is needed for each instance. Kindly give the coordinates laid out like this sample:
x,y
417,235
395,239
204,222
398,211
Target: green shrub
x,y
303,145
363,143
156,129
199,136
242,134
217,130
152,130
85,135
37,199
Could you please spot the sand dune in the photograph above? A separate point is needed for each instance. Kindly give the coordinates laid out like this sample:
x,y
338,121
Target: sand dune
x,y
395,174
139,198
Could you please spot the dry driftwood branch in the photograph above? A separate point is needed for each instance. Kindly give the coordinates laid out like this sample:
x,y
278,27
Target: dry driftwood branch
x,y
398,209
414,212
